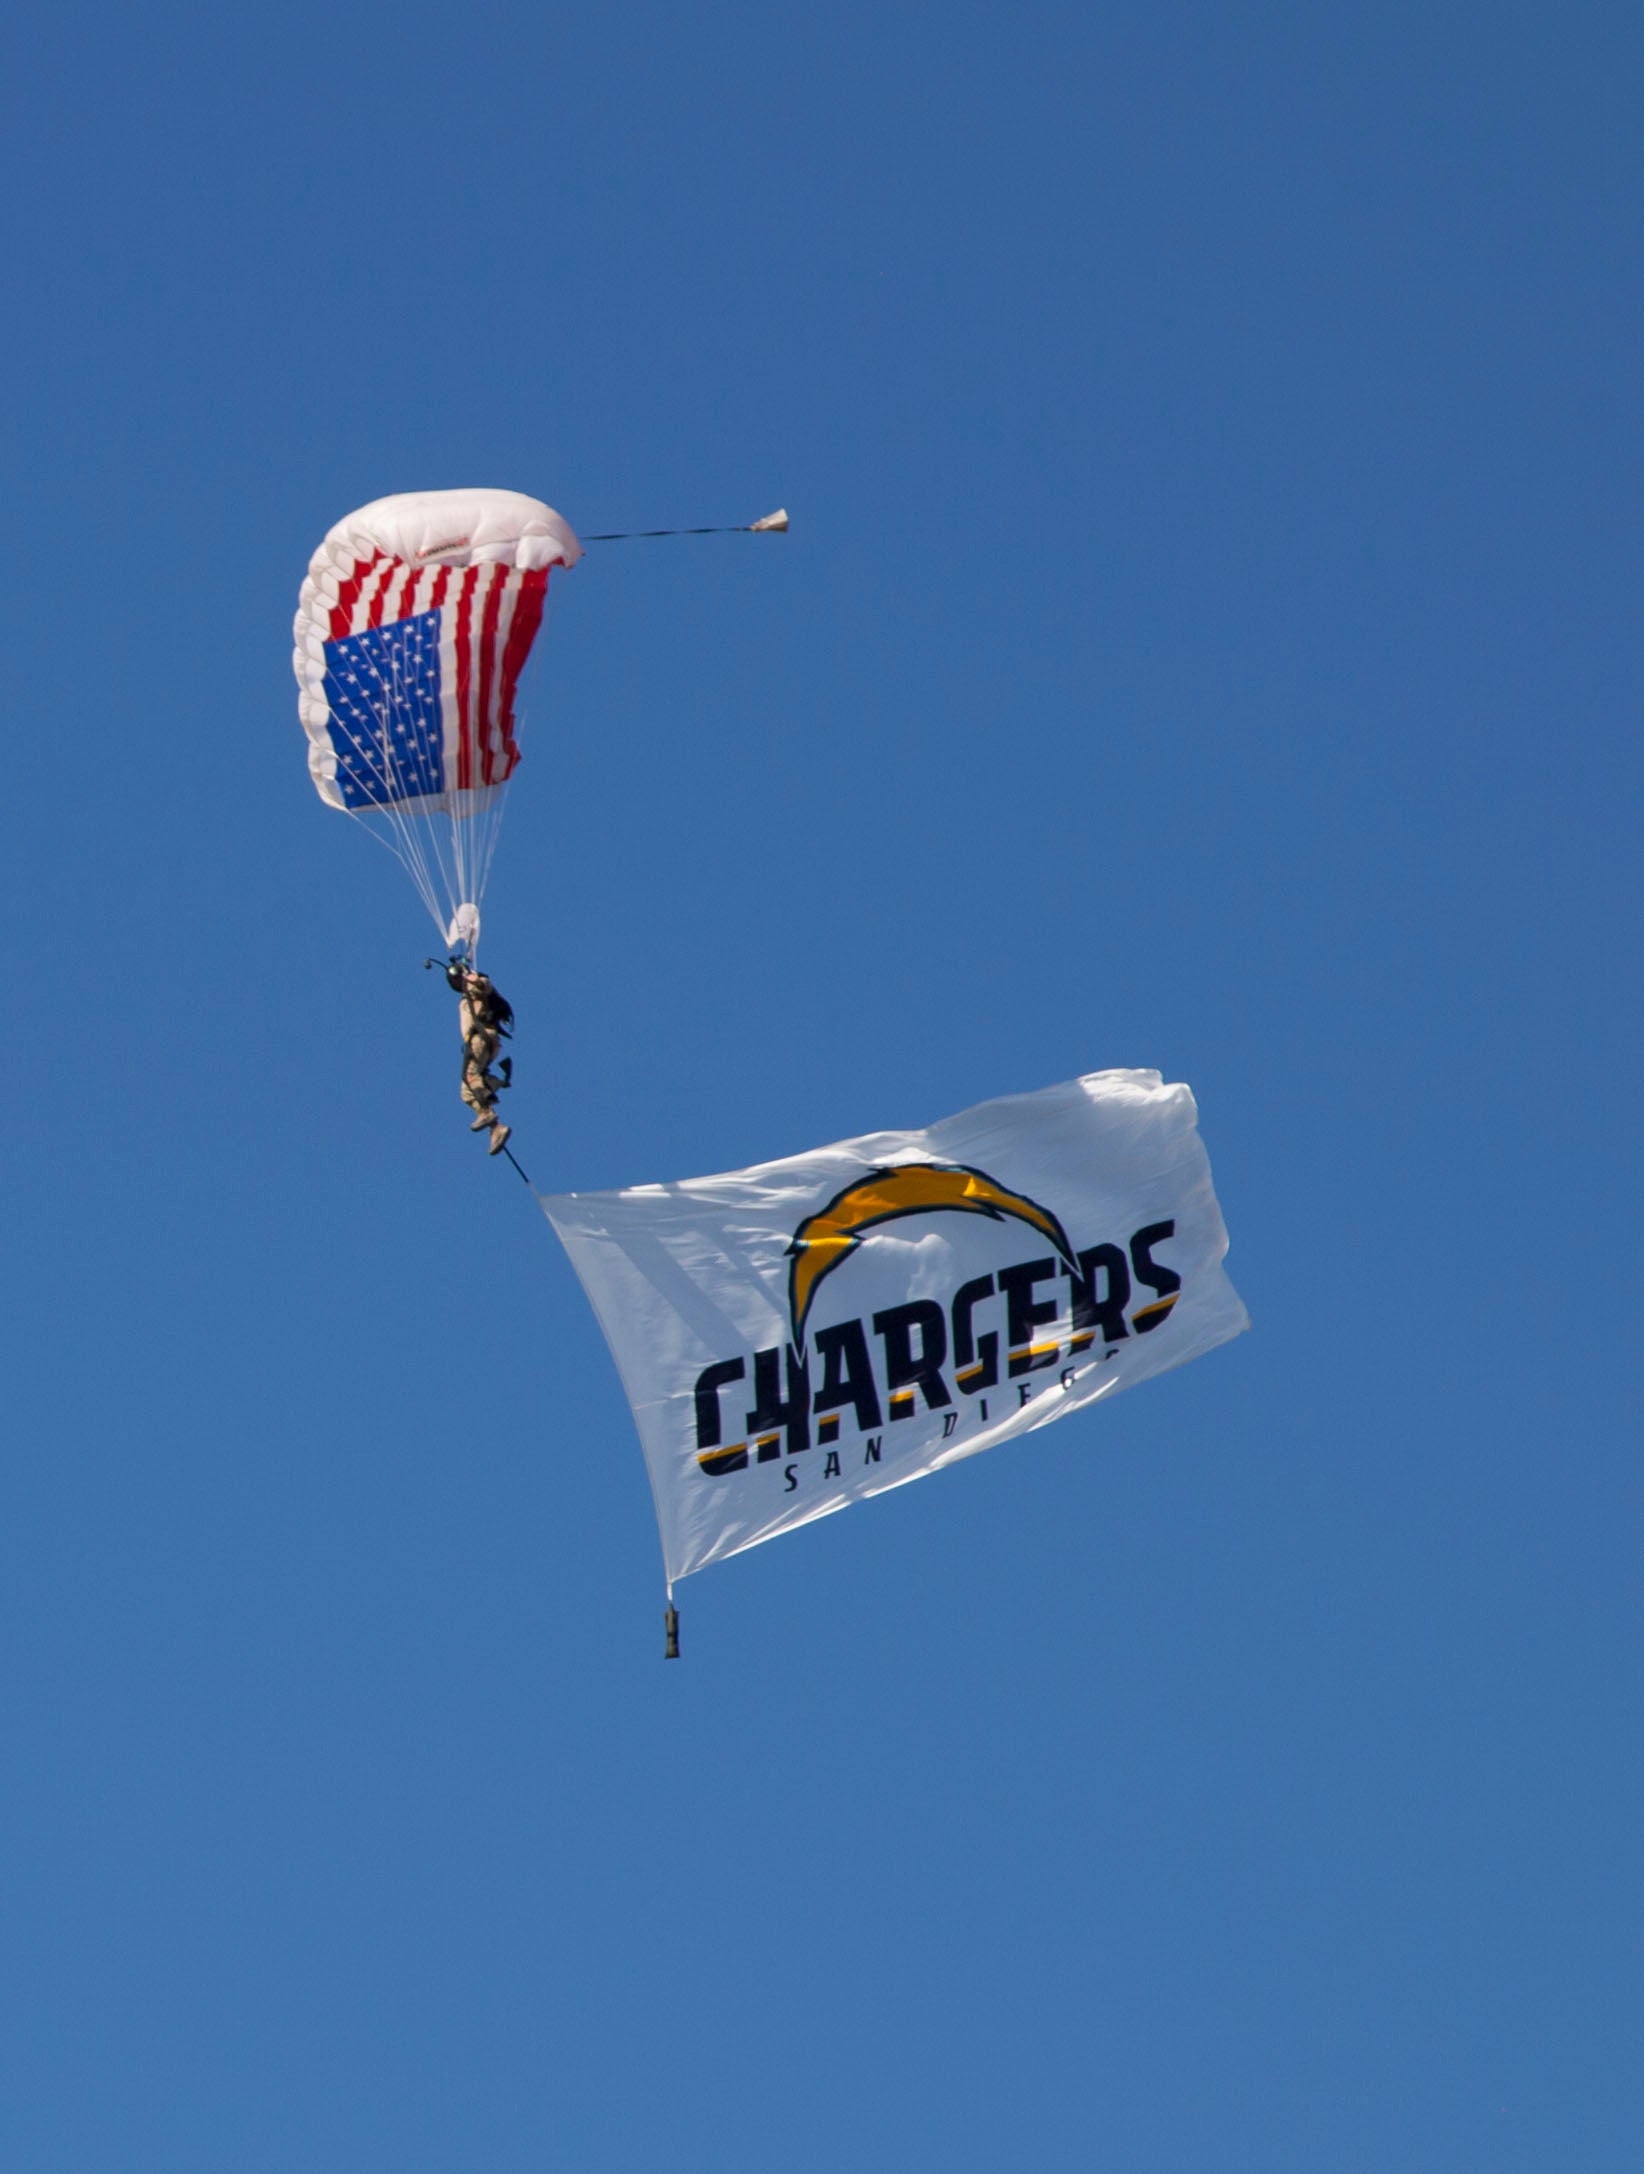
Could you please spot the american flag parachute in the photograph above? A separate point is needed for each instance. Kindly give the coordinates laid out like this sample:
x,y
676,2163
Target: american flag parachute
x,y
412,628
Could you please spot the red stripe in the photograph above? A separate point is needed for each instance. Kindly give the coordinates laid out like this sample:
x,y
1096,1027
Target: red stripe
x,y
436,596
497,581
401,585
465,721
370,592
379,602
533,592
342,611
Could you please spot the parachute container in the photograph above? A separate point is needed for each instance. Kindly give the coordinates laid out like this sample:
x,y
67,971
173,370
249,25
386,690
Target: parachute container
x,y
412,629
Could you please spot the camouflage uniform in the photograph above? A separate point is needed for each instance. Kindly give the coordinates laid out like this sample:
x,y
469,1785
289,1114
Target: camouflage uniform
x,y
481,1039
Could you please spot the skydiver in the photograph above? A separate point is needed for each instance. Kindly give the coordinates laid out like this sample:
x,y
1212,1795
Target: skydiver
x,y
485,1016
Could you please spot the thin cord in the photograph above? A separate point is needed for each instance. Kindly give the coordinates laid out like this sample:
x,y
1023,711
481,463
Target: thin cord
x,y
635,535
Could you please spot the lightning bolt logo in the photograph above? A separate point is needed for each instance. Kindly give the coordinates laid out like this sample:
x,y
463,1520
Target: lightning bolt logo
x,y
833,1234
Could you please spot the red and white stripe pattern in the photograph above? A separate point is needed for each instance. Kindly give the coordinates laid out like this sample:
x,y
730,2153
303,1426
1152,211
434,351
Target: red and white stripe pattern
x,y
490,615
481,559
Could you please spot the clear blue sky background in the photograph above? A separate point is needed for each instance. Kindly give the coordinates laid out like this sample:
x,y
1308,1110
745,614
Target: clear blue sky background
x,y
1208,639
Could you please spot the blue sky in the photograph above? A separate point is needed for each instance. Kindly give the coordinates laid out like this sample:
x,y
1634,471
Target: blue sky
x,y
1208,639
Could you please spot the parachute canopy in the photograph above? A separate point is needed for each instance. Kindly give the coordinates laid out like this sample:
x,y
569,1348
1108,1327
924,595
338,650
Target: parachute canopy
x,y
412,628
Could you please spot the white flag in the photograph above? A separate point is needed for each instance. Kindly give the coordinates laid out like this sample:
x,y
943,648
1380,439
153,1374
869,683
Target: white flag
x,y
799,1335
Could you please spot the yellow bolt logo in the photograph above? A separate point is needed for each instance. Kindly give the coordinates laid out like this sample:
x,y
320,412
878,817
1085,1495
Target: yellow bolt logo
x,y
833,1234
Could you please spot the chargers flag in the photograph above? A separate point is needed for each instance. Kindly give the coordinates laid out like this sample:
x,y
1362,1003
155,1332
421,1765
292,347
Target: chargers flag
x,y
795,1337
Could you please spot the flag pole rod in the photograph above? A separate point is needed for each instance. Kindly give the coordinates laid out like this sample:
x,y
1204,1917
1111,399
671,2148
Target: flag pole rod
x,y
508,1151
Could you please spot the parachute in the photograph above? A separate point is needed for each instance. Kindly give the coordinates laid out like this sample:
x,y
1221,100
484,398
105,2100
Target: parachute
x,y
412,628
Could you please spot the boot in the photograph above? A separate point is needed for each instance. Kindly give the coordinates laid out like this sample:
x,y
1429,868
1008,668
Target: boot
x,y
485,1118
500,1135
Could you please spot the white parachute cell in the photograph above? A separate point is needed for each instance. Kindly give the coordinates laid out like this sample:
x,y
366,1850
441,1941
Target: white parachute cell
x,y
412,628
